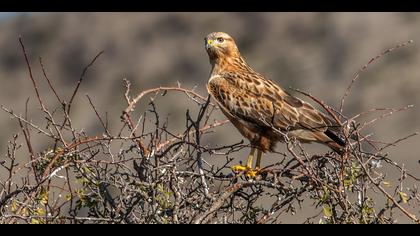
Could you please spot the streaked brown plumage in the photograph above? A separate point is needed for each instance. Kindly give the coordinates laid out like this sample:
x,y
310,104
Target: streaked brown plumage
x,y
257,106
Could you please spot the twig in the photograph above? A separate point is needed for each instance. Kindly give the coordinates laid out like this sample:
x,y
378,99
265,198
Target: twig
x,y
49,81
20,118
133,102
30,73
99,117
323,105
82,76
378,185
364,67
196,125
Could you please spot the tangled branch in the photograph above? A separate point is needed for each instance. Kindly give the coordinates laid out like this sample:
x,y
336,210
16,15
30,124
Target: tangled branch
x,y
147,173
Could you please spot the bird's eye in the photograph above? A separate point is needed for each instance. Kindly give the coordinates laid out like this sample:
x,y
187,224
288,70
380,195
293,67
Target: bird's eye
x,y
220,40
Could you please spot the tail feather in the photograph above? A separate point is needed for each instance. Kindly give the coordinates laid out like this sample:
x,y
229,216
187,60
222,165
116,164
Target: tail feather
x,y
331,140
334,137
336,147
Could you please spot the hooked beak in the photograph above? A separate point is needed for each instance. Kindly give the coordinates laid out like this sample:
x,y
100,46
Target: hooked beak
x,y
209,43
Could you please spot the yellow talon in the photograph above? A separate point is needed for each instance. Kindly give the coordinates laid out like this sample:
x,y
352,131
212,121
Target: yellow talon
x,y
239,168
249,172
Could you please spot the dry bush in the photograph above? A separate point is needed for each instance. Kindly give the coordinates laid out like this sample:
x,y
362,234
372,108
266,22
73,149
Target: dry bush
x,y
146,173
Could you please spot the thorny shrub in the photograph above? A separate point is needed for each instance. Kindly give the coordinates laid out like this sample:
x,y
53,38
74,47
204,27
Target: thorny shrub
x,y
157,176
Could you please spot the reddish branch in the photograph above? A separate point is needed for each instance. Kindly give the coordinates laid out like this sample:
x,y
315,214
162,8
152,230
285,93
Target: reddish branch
x,y
133,102
364,67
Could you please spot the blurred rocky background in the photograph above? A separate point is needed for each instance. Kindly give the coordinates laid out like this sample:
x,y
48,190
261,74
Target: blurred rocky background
x,y
314,52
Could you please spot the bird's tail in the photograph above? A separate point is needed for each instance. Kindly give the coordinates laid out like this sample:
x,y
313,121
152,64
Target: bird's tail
x,y
332,140
336,147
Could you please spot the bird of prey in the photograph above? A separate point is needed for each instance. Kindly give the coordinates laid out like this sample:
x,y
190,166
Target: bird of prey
x,y
260,109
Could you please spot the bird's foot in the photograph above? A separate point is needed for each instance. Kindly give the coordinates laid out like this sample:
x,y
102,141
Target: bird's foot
x,y
249,172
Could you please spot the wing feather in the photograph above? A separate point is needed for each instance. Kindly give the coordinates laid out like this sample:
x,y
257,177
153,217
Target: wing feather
x,y
261,102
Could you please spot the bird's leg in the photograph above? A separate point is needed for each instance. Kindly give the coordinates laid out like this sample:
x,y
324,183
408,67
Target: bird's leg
x,y
249,172
239,168
250,157
258,164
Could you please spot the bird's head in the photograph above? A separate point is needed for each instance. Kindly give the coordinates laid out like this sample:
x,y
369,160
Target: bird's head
x,y
220,45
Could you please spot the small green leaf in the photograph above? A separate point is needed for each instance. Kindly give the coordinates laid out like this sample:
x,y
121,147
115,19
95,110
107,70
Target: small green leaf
x,y
327,211
386,184
40,211
14,206
35,221
347,183
403,196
